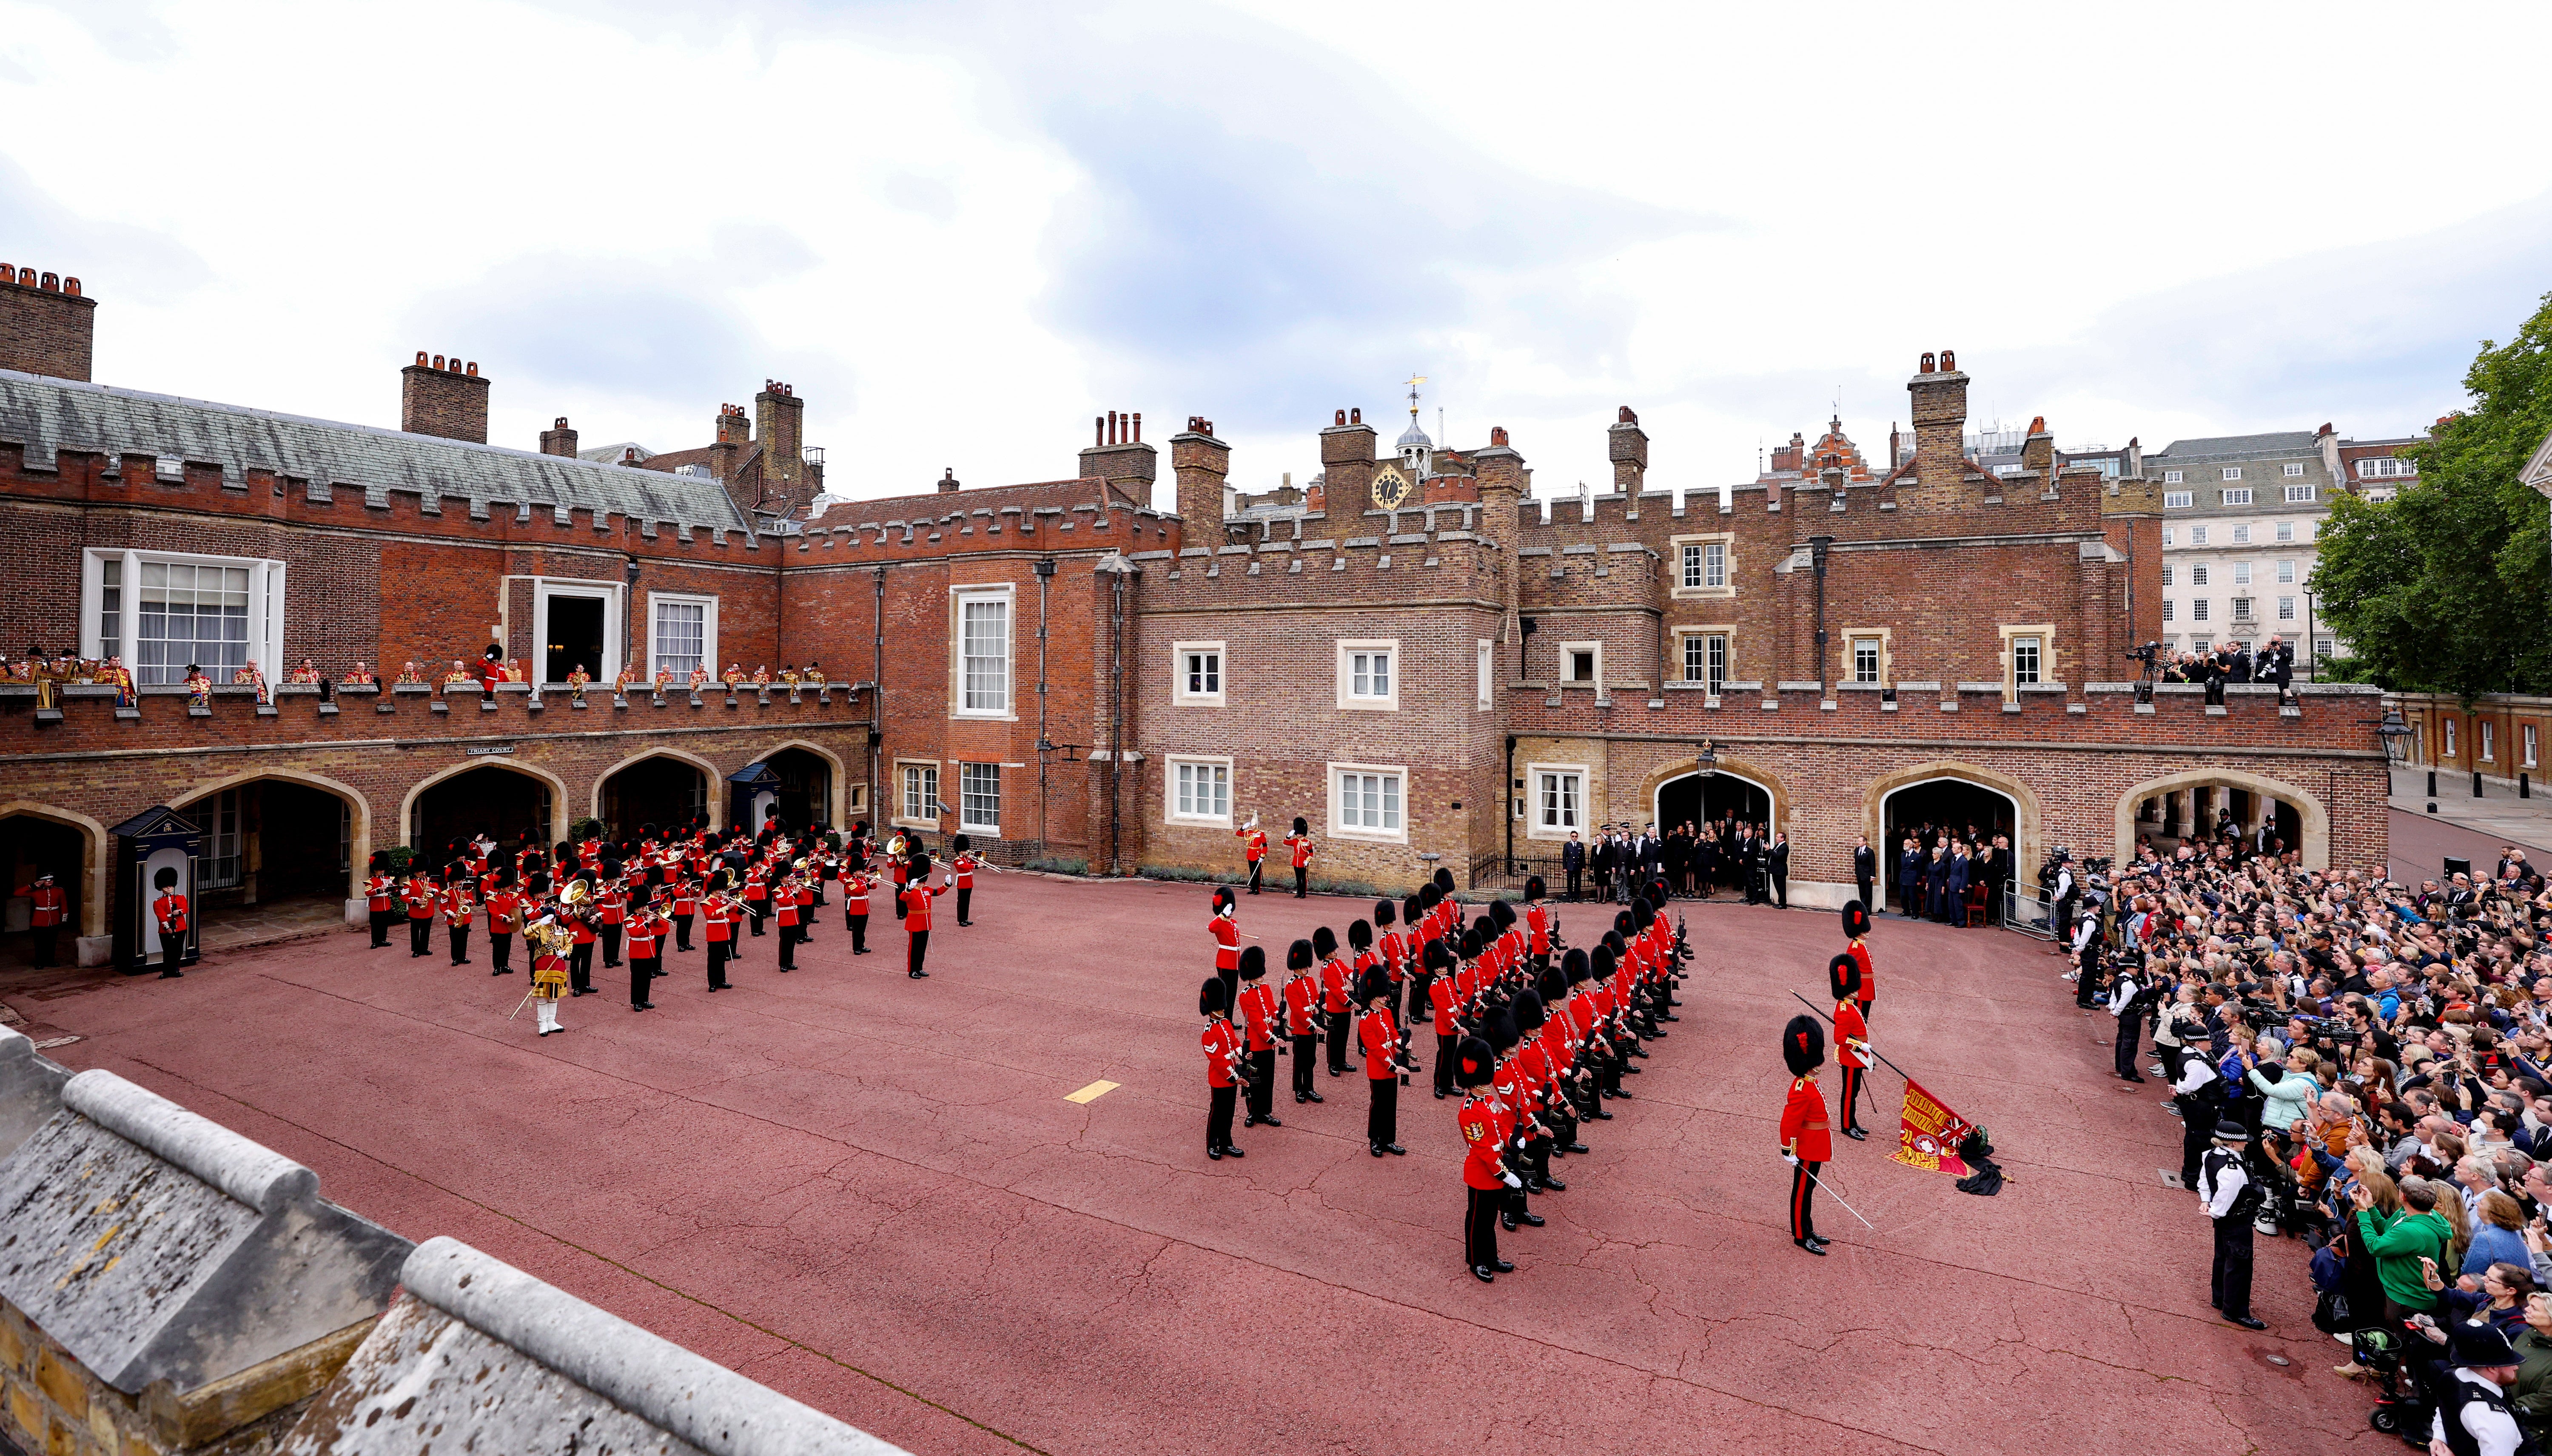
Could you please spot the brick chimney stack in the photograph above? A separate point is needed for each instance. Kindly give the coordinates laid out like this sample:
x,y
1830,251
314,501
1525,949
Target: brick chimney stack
x,y
1629,450
46,325
949,480
1201,463
443,396
558,439
1119,456
1346,464
779,418
1940,419
2038,451
1503,485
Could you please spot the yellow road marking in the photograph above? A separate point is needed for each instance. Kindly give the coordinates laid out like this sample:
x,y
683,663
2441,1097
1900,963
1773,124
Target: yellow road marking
x,y
1091,1092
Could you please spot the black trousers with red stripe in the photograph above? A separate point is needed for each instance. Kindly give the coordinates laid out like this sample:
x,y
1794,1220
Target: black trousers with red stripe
x,y
1852,1080
1803,1189
1480,1226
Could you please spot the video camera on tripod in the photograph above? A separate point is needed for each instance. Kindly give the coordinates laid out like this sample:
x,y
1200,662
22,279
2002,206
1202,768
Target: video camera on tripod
x,y
2150,655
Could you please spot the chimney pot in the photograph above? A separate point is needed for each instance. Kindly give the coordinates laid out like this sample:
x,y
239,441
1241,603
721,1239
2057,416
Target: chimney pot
x,y
1949,361
8,272
1342,417
1098,430
949,480
1138,427
1497,435
420,356
51,284
1927,362
474,366
438,360
72,287
561,422
1355,416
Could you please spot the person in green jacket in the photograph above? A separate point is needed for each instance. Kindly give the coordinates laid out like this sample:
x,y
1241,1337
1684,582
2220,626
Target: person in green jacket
x,y
2398,1242
2531,1399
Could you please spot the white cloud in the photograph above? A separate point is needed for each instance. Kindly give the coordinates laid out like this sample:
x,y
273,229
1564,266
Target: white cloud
x,y
961,231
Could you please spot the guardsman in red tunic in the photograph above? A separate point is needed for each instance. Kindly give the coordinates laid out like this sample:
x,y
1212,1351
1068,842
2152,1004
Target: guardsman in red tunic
x,y
579,955
1443,1002
1253,845
687,904
1225,927
1484,1172
505,911
915,897
1335,1003
1300,842
610,912
1301,1024
1855,929
857,882
1526,1136
757,894
1852,1041
1537,921
1222,1067
646,947
169,914
1390,952
1378,1034
383,893
784,900
964,865
1418,913
720,930
1805,1143
1258,1006
419,896
47,908
459,909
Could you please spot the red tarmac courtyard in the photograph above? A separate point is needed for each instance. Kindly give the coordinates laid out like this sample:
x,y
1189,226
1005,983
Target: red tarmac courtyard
x,y
873,1194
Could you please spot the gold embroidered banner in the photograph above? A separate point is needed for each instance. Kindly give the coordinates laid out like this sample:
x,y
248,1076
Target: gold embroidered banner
x,y
1930,1134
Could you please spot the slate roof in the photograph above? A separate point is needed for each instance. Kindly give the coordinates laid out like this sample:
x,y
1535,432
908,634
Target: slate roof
x,y
46,415
2278,442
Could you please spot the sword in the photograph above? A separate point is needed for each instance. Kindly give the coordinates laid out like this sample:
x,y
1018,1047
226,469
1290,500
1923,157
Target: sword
x,y
1838,1198
1873,1051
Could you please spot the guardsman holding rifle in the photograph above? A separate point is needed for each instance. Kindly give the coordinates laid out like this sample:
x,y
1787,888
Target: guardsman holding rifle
x,y
1225,927
1335,1003
1258,1007
1484,1173
1378,1033
1253,845
1222,1067
1302,1019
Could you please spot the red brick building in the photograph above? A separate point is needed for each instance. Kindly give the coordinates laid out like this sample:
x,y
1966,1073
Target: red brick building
x,y
1413,653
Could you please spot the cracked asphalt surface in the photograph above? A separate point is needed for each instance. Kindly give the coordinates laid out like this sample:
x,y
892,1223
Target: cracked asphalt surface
x,y
869,1192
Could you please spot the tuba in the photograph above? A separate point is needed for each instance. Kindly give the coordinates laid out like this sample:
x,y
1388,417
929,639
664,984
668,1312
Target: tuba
x,y
577,893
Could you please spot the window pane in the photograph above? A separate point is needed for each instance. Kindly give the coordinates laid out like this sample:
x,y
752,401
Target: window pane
x,y
986,643
1382,675
681,633
1389,799
1715,564
1692,569
979,796
1718,650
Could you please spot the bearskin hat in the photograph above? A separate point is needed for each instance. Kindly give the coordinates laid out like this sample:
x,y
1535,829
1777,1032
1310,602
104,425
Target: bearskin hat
x,y
1501,1033
1856,919
1473,945
1533,889
1574,966
1438,958
1409,911
1213,996
1843,974
1624,924
963,843
1528,1014
1299,956
1428,896
1370,984
1360,935
1253,963
1485,928
918,862
1614,942
1554,986
1324,942
1474,1062
1383,912
1642,910
1503,914
1302,825
1223,897
1444,880
1601,962
1803,1045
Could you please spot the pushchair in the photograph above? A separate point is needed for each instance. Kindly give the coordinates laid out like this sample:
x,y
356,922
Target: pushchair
x,y
2401,1372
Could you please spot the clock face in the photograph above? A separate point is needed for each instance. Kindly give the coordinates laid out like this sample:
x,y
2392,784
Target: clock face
x,y
1390,488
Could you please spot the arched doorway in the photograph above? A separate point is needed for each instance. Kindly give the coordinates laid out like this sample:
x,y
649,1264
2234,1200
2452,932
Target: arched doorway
x,y
31,846
1713,798
2197,803
805,797
506,804
279,855
1930,808
657,790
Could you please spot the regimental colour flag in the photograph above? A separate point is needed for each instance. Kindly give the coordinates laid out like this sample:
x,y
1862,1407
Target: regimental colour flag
x,y
1930,1134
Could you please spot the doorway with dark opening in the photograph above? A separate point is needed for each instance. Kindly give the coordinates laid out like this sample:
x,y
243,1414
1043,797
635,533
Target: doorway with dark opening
x,y
663,792
277,861
575,637
31,846
805,792
509,808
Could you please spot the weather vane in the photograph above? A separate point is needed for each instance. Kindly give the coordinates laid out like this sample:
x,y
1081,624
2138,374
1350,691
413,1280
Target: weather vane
x,y
1414,382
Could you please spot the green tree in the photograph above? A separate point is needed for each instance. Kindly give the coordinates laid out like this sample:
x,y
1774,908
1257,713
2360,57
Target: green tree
x,y
2444,587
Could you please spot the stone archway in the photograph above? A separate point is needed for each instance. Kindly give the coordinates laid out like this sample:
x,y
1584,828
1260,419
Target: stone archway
x,y
1734,767
560,798
713,776
2028,831
95,846
359,811
838,776
2313,841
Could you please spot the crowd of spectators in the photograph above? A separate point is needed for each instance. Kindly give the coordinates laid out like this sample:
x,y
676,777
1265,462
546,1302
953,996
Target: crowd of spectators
x,y
2379,1057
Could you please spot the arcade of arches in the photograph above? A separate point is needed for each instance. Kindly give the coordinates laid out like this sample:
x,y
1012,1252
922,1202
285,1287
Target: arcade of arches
x,y
2205,809
1947,805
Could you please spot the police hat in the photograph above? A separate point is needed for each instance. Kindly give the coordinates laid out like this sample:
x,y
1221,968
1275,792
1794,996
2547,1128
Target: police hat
x,y
1474,1062
1324,942
1213,996
1573,966
1843,973
1299,956
1383,912
2482,1347
1856,919
2229,1132
1533,889
1360,935
1528,1014
1803,1045
1253,963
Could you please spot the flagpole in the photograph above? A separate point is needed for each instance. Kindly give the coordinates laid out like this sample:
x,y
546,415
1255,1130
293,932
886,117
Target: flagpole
x,y
1873,1051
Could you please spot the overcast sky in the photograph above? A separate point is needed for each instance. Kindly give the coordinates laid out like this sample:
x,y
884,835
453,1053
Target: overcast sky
x,y
961,232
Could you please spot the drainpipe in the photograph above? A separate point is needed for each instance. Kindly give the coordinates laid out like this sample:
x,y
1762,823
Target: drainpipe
x,y
1115,715
1817,548
1045,575
1509,802
877,714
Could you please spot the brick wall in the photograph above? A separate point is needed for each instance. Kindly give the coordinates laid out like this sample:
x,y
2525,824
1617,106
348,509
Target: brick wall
x,y
446,399
47,326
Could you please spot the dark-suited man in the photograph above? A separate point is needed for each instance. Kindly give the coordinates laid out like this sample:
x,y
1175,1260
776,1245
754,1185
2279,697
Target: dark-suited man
x,y
1997,875
1603,859
1864,871
1572,864
1909,881
1776,864
1955,907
